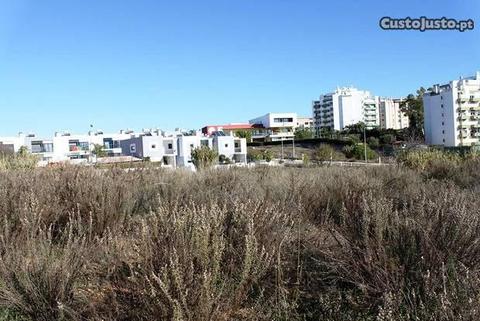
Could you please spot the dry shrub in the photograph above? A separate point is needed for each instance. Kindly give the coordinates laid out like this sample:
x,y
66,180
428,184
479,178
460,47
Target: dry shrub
x,y
331,243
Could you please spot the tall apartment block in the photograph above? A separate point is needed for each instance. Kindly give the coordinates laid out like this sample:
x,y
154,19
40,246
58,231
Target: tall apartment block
x,y
452,113
391,116
343,107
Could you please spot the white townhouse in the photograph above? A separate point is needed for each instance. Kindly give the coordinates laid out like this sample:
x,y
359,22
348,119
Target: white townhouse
x,y
274,127
153,146
452,113
234,148
172,151
13,144
343,107
231,147
185,146
35,145
78,148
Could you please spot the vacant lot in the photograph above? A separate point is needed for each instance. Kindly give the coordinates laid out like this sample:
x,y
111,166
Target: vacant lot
x,y
264,244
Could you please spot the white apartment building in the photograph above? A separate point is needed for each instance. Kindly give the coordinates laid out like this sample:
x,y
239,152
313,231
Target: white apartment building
x,y
452,113
304,122
276,127
343,107
391,115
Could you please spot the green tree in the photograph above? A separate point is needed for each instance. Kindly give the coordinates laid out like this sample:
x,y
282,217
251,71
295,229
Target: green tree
x,y
267,155
244,134
222,159
357,151
326,132
203,157
255,155
23,151
324,153
23,159
99,151
387,139
303,133
354,128
373,142
413,108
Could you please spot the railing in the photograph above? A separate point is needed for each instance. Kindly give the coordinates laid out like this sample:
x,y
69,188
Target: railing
x,y
78,148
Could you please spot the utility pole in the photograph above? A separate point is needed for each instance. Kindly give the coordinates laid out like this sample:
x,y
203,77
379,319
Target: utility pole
x,y
89,150
293,152
283,126
365,142
282,147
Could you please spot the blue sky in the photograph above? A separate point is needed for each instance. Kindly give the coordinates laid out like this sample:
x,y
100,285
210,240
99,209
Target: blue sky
x,y
155,63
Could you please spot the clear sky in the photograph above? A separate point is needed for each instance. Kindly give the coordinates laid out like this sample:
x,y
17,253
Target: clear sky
x,y
155,63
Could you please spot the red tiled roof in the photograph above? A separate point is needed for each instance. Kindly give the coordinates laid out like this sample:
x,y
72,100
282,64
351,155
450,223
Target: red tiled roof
x,y
213,128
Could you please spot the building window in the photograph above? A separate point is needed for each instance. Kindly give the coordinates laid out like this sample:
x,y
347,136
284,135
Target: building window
x,y
192,146
133,148
283,120
154,146
444,140
442,105
226,145
443,132
170,146
443,123
204,142
237,145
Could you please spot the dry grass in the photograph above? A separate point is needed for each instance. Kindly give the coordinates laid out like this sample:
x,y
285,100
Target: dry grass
x,y
264,244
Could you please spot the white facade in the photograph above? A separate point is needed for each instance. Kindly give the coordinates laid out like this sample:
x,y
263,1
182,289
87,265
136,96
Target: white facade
x,y
12,144
185,146
41,147
172,151
78,148
452,113
391,115
276,126
304,122
346,106
233,148
151,146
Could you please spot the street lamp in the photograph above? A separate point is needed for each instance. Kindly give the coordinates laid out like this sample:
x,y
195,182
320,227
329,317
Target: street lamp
x,y
365,142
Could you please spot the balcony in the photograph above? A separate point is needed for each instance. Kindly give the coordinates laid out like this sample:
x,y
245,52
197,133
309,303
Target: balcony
x,y
282,134
115,151
78,148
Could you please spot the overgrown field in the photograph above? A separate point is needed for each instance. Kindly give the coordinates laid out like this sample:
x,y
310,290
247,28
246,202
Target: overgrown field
x,y
386,243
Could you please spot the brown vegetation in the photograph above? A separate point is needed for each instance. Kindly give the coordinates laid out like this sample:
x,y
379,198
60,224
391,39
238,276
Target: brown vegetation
x,y
384,243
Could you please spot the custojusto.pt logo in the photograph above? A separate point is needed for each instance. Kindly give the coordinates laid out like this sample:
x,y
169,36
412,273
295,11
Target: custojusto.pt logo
x,y
425,24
